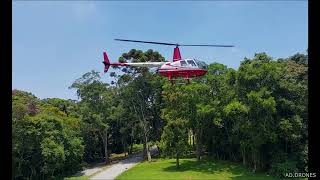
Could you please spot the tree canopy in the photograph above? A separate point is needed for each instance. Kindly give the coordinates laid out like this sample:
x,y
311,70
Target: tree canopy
x,y
256,115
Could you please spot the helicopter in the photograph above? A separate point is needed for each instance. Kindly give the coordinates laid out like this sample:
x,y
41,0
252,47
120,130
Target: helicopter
x,y
185,68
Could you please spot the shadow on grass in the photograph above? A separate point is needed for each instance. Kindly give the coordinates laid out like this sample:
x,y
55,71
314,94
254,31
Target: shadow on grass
x,y
236,171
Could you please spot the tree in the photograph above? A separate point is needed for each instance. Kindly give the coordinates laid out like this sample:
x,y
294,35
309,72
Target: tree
x,y
174,139
142,93
46,143
237,114
262,108
95,102
299,58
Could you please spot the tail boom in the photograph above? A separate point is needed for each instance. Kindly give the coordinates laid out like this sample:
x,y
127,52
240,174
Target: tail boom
x,y
107,63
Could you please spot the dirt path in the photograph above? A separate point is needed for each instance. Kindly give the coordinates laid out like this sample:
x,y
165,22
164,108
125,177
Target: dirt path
x,y
116,169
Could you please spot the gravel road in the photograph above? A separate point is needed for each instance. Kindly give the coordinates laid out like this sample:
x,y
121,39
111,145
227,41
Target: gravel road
x,y
118,168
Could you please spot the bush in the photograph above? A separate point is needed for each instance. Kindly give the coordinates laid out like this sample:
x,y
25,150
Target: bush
x,y
303,159
279,169
137,148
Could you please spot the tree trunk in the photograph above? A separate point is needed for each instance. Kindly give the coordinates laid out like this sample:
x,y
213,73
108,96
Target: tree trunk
x,y
149,153
254,161
124,148
131,142
146,148
198,145
19,165
193,139
32,172
244,156
198,150
106,149
177,160
146,151
131,148
145,133
104,138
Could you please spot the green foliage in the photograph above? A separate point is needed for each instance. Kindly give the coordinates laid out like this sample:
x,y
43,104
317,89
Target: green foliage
x,y
235,108
45,144
279,169
53,155
137,148
299,58
174,139
140,98
257,114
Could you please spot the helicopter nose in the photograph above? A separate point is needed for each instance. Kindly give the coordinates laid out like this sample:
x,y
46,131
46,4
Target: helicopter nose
x,y
204,71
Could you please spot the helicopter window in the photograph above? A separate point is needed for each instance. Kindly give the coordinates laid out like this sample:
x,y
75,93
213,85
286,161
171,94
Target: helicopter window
x,y
202,64
183,63
192,63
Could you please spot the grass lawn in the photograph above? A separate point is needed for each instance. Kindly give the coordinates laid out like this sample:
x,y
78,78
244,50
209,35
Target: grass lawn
x,y
77,178
191,169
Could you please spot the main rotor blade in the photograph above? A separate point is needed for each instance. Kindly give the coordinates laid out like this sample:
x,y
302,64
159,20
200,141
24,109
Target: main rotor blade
x,y
150,42
206,45
172,44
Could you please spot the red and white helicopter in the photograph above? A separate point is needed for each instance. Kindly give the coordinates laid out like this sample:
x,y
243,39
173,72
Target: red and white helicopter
x,y
186,68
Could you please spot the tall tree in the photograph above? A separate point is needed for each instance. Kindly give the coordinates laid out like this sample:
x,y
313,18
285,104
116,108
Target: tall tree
x,y
143,93
96,100
174,139
46,142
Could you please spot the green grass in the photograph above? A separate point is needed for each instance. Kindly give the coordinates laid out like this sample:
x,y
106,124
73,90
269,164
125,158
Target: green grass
x,y
77,178
191,169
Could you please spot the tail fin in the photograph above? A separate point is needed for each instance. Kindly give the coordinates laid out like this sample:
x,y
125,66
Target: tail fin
x,y
106,62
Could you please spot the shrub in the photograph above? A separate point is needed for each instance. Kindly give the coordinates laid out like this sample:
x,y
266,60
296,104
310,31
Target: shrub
x,y
279,169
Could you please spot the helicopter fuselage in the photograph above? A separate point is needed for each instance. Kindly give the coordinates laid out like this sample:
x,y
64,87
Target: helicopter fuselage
x,y
186,68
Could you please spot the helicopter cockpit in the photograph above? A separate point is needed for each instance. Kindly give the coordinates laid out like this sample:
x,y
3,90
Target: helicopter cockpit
x,y
201,64
193,63
188,63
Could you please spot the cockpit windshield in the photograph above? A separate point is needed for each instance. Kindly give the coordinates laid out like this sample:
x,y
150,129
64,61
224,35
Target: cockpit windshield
x,y
192,63
201,64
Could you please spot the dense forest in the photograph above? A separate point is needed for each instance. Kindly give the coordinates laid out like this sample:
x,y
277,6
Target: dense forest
x,y
256,115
